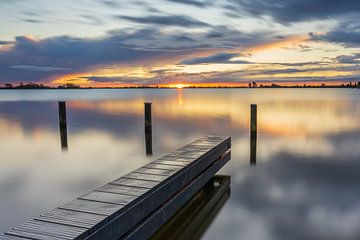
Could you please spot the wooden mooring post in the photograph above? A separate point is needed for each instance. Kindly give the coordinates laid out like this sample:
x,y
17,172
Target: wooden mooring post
x,y
63,126
148,129
253,133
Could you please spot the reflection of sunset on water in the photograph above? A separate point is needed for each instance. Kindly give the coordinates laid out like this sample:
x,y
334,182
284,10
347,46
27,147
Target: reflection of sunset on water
x,y
291,117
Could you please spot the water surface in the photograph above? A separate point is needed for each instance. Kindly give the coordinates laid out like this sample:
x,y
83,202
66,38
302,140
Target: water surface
x,y
305,184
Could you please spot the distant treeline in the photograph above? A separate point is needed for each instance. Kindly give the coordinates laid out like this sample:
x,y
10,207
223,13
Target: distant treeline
x,y
38,86
250,85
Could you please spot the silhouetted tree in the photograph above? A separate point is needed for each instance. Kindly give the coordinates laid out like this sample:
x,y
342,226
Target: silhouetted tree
x,y
8,85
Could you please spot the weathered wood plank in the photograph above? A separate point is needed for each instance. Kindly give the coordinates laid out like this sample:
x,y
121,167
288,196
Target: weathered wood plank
x,y
162,166
8,237
135,183
30,235
92,207
171,163
40,228
161,172
72,218
144,176
112,198
126,190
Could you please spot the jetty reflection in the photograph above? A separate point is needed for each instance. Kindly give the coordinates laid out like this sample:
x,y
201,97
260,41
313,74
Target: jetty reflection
x,y
193,219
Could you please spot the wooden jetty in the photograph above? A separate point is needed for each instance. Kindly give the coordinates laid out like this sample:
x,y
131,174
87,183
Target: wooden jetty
x,y
136,205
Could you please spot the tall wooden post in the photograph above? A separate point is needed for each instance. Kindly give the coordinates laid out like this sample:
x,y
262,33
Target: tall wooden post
x,y
63,127
253,133
148,129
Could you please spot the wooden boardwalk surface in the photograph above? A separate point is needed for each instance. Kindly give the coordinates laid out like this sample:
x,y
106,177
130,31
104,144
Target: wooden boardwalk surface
x,y
135,205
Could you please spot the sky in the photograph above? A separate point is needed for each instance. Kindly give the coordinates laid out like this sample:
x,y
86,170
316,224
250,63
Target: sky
x,y
107,43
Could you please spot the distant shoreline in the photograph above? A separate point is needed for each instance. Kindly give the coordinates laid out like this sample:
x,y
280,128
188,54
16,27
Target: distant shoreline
x,y
90,88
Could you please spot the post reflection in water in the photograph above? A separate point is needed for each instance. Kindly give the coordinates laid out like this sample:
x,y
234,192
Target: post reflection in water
x,y
253,142
63,126
193,219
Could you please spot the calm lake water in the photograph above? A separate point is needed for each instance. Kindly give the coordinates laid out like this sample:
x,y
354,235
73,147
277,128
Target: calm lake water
x,y
306,184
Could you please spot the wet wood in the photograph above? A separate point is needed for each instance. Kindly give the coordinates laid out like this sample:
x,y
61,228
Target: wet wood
x,y
116,209
148,129
253,119
63,125
79,205
161,172
253,133
126,190
7,237
45,230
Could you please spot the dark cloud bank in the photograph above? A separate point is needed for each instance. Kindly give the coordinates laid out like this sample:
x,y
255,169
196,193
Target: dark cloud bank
x,y
287,11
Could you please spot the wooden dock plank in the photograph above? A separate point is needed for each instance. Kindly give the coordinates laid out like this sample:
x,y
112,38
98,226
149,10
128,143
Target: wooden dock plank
x,y
126,190
8,237
171,163
74,218
147,177
135,183
30,235
51,230
161,172
105,197
162,167
177,158
92,207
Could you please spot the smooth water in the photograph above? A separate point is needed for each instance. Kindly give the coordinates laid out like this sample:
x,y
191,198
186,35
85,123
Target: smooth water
x,y
306,184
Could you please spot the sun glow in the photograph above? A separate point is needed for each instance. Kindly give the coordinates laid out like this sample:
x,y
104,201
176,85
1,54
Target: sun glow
x,y
180,85
175,85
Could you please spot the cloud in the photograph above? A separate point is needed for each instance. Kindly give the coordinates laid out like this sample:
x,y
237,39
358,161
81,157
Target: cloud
x,y
176,20
110,3
347,33
349,59
5,42
38,68
30,20
224,58
195,3
285,11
